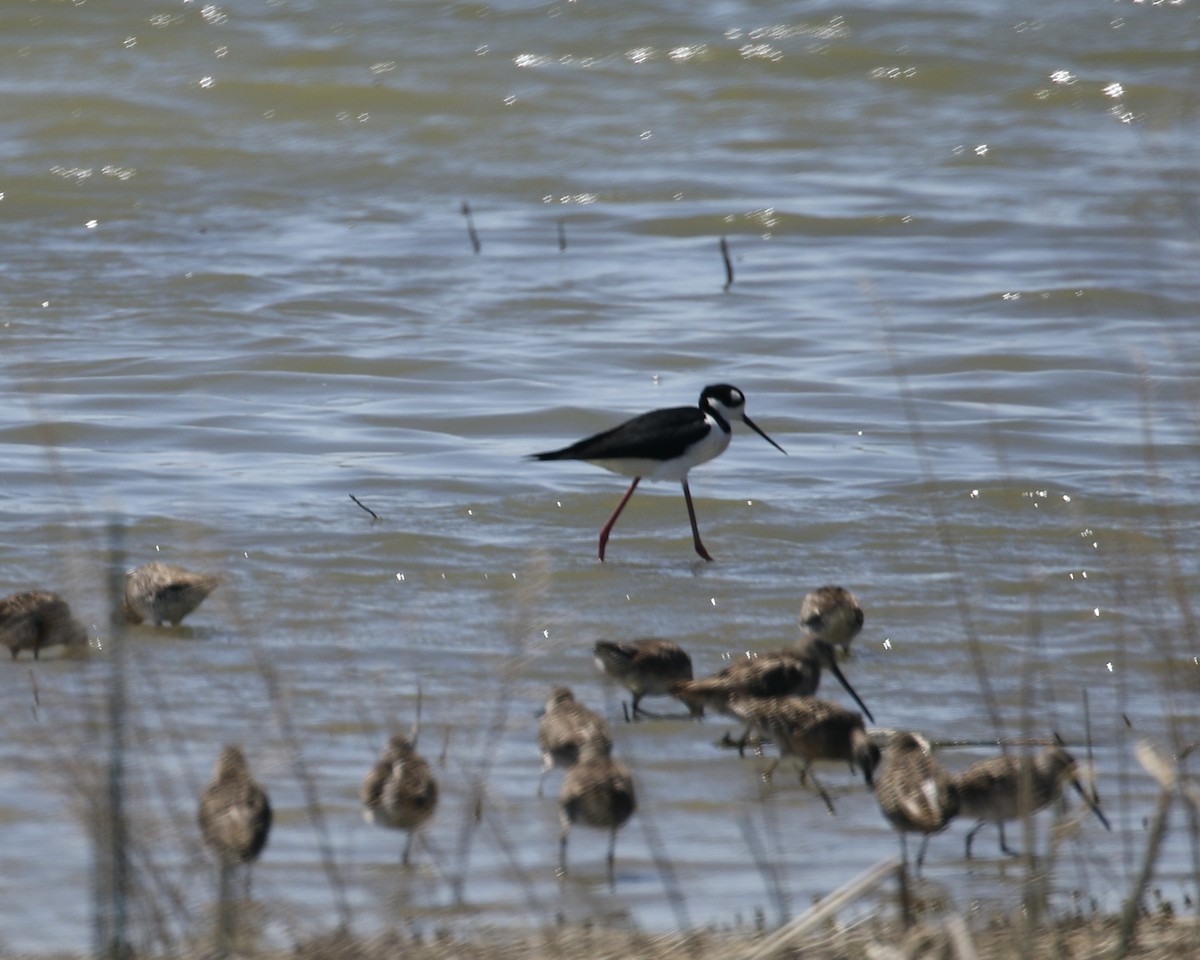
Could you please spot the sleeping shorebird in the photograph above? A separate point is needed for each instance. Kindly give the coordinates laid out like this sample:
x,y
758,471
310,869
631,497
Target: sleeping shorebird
x,y
596,792
833,613
235,812
644,667
400,791
808,729
782,673
161,592
235,820
564,728
36,619
991,790
665,445
914,791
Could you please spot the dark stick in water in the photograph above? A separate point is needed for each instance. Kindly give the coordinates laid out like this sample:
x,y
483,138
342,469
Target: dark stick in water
x,y
474,237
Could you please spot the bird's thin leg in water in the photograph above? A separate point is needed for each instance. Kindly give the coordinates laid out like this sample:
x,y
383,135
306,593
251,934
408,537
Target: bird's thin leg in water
x,y
687,495
607,528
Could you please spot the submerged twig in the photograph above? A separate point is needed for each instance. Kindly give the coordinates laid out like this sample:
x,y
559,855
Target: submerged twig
x,y
471,234
728,264
373,514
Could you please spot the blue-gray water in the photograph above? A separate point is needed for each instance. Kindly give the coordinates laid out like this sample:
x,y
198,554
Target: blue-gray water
x,y
238,287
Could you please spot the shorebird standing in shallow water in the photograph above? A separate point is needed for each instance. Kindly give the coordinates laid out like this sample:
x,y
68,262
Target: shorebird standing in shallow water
x,y
235,820
564,728
834,613
807,729
914,791
596,792
235,812
400,791
665,445
644,667
36,619
161,592
781,673
991,790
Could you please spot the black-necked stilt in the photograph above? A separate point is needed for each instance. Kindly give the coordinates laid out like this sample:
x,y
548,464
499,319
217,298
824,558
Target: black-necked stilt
x,y
665,445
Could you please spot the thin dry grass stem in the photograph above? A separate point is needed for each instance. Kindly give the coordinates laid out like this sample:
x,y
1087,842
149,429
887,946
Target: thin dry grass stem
x,y
1164,772
312,802
516,870
789,933
1176,581
667,874
941,527
110,829
531,588
767,869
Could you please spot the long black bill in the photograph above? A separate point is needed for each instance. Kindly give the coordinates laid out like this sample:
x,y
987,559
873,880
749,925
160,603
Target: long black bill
x,y
1091,802
849,689
754,426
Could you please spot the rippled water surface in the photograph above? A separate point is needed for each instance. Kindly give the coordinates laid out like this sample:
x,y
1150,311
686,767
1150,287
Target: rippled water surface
x,y
238,287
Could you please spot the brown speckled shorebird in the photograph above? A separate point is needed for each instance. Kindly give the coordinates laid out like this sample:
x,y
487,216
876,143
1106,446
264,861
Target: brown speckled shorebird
x,y
644,667
563,730
833,613
400,791
235,820
235,813
781,673
914,792
36,619
808,729
161,592
596,792
991,790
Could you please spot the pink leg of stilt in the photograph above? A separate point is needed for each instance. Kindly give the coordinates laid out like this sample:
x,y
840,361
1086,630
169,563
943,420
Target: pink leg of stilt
x,y
607,528
687,495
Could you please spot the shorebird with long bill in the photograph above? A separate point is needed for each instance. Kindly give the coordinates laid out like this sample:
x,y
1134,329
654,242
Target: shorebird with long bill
x,y
664,445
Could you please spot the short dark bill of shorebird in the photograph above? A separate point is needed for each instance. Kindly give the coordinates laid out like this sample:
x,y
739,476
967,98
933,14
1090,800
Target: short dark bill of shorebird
x,y
664,445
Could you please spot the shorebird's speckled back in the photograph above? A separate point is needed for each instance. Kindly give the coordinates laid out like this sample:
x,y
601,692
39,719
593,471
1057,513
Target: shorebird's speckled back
x,y
564,729
644,667
235,813
400,790
914,791
807,729
596,792
36,619
834,613
991,790
163,593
